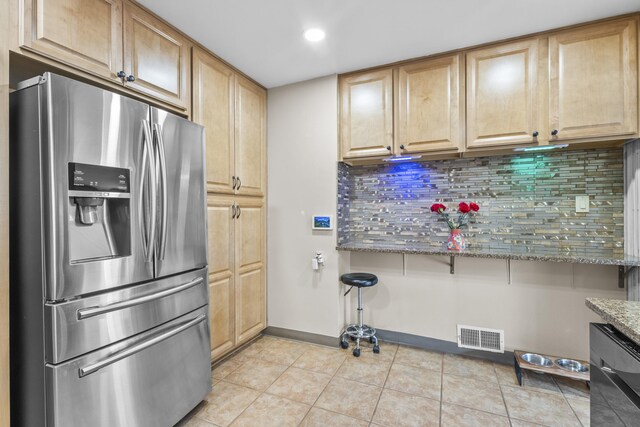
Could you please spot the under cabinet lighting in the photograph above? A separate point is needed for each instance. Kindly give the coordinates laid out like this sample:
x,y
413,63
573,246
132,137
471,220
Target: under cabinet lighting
x,y
400,158
541,148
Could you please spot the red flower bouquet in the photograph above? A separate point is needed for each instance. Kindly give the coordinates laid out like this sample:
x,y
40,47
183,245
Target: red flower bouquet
x,y
465,209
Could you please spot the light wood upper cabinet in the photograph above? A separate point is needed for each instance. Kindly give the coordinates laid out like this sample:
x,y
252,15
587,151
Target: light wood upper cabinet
x,y
430,105
213,108
250,137
85,34
250,264
502,95
366,114
222,274
157,56
593,81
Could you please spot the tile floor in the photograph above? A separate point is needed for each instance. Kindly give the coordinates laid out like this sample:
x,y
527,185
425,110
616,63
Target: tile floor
x,y
278,382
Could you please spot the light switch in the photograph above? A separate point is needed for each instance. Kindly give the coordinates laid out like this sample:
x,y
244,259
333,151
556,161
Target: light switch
x,y
582,204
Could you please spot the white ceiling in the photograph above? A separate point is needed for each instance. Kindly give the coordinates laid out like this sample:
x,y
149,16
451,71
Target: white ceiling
x,y
263,38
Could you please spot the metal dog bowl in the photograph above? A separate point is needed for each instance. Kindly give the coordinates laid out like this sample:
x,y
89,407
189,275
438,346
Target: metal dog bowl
x,y
572,365
537,360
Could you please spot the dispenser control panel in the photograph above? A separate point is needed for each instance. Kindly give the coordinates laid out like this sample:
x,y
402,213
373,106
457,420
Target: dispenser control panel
x,y
85,177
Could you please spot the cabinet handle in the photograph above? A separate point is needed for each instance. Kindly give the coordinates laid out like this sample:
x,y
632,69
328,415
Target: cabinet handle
x,y
239,184
402,147
239,211
554,132
389,147
535,134
233,211
131,78
121,74
233,178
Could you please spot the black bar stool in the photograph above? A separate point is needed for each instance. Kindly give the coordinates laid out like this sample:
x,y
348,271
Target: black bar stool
x,y
360,330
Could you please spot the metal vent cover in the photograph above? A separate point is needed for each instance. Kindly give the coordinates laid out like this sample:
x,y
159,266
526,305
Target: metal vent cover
x,y
481,338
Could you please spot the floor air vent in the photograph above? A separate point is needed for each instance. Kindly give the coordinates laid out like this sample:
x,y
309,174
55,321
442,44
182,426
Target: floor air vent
x,y
481,338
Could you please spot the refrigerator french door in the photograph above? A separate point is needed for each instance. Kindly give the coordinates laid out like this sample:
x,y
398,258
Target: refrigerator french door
x,y
109,295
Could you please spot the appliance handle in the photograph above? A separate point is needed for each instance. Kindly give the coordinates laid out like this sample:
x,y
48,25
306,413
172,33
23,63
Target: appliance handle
x,y
94,367
85,313
621,385
148,154
165,206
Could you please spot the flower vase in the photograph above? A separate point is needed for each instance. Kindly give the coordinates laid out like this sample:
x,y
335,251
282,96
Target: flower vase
x,y
456,240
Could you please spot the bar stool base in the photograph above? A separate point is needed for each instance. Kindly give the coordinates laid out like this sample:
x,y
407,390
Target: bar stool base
x,y
357,333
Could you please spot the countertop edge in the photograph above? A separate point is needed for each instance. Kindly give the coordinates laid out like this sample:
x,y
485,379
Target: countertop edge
x,y
521,257
595,305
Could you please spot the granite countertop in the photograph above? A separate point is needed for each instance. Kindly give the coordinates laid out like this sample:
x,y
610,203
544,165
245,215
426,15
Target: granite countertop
x,y
602,256
623,315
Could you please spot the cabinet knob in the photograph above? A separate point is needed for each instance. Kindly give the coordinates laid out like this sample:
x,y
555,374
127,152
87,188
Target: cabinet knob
x,y
554,132
121,74
131,78
389,147
402,147
535,134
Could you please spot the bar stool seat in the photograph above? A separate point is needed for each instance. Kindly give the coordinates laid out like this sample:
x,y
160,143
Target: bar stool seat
x,y
359,331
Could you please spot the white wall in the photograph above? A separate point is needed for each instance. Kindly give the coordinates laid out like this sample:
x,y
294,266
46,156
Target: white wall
x,y
302,153
542,309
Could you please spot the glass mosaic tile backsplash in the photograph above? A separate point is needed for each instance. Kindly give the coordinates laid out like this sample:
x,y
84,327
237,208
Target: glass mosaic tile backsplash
x,y
526,201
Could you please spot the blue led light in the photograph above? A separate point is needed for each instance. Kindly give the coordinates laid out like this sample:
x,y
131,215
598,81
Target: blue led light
x,y
400,158
542,148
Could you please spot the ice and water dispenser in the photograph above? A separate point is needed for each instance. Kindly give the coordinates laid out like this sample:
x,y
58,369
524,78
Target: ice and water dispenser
x,y
99,221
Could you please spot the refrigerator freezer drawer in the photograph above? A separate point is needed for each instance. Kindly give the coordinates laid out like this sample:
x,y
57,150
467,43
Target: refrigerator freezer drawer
x,y
79,326
153,379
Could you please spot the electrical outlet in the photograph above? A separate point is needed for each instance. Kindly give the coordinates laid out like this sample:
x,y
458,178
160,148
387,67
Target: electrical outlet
x,y
582,204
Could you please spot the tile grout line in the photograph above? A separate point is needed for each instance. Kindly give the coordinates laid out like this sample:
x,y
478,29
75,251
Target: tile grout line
x,y
393,360
504,401
567,400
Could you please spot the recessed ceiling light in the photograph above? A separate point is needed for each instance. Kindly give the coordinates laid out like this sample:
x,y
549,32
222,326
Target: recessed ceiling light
x,y
314,34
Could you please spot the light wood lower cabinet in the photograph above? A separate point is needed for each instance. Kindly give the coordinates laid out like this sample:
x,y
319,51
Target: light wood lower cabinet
x,y
237,282
82,33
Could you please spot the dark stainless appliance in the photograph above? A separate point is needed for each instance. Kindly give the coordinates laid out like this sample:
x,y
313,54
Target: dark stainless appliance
x,y
615,378
109,296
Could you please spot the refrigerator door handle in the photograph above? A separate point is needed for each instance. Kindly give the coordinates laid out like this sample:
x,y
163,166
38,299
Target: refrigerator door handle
x,y
163,189
148,163
94,367
87,312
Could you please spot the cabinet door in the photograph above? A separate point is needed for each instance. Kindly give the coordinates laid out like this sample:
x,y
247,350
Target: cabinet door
x,y
213,108
593,81
250,137
366,114
250,270
430,105
157,56
85,34
221,274
502,101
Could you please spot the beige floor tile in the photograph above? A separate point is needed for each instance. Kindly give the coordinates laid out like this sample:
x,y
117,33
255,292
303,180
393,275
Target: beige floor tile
x,y
536,381
474,393
283,354
458,416
195,422
539,407
350,398
419,358
222,370
367,369
387,350
581,408
321,359
521,423
418,381
469,366
272,411
572,388
257,374
226,402
405,410
322,418
300,385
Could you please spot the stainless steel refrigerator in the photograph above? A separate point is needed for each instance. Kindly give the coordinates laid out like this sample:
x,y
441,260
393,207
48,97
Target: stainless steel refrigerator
x,y
109,298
